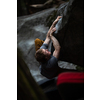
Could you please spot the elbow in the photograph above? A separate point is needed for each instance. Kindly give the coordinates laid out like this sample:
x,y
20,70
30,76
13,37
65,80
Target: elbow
x,y
58,48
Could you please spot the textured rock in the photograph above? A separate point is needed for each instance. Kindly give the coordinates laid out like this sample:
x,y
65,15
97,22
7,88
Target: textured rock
x,y
27,88
70,34
28,29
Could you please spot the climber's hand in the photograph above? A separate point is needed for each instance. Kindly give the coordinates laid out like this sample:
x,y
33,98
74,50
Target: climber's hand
x,y
52,31
55,22
53,25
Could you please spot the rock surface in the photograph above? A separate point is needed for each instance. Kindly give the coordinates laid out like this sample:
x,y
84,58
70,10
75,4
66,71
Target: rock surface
x,y
29,28
70,34
27,88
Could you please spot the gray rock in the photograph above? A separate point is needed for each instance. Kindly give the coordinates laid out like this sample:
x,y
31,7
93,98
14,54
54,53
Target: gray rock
x,y
70,35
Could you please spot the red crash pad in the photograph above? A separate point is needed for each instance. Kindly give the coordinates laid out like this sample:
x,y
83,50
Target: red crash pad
x,y
70,77
71,85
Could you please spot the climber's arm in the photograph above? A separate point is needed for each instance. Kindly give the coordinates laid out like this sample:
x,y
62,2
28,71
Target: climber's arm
x,y
55,44
47,40
53,24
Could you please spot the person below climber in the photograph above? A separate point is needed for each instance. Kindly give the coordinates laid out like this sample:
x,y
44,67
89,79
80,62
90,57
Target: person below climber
x,y
48,62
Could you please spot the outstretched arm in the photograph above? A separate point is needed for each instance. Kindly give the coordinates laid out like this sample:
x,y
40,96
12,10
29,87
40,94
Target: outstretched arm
x,y
55,44
47,40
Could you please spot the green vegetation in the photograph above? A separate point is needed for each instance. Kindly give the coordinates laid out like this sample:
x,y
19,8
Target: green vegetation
x,y
51,18
79,68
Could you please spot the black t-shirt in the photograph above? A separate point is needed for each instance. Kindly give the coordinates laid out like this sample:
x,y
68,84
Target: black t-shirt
x,y
49,69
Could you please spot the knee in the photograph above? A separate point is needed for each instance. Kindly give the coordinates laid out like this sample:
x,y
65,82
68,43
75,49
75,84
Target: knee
x,y
37,40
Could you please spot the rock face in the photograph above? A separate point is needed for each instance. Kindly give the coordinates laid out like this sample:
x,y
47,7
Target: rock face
x,y
70,34
27,88
29,28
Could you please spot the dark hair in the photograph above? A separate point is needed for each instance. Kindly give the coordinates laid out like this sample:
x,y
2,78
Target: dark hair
x,y
40,57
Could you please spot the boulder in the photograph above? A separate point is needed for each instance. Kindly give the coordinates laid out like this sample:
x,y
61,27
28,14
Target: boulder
x,y
70,34
27,88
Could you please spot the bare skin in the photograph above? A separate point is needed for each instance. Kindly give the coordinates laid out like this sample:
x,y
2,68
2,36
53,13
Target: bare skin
x,y
52,26
47,53
54,40
57,51
55,44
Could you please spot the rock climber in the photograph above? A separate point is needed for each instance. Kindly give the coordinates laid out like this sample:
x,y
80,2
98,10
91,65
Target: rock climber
x,y
48,62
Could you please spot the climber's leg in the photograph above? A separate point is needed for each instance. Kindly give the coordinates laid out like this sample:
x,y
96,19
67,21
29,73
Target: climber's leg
x,y
38,43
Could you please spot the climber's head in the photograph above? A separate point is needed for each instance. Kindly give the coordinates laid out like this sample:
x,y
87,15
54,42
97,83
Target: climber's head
x,y
42,55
